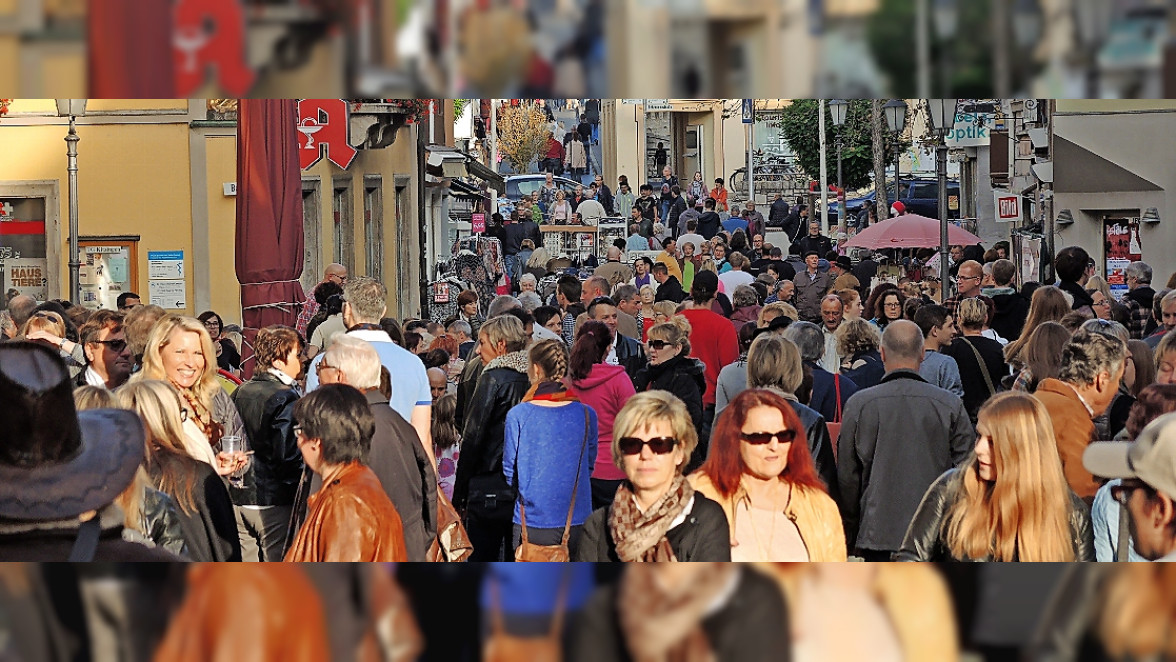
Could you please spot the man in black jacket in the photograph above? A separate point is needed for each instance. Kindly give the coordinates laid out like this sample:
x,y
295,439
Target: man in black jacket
x,y
668,289
778,212
266,404
709,223
397,456
814,241
625,352
1070,265
1012,307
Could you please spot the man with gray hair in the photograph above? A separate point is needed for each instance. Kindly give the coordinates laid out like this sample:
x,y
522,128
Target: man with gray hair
x,y
629,317
830,389
461,331
529,301
1138,300
593,288
1092,367
20,307
500,304
891,451
364,305
396,456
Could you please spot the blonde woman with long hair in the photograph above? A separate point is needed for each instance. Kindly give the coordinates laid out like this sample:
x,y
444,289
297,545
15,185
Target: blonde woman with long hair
x,y
180,352
206,511
1009,501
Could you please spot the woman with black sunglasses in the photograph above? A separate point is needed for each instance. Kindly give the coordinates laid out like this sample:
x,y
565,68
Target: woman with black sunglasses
x,y
672,369
761,472
656,515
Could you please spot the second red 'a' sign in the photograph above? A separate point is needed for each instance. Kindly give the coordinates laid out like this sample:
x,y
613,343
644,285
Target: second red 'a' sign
x,y
323,125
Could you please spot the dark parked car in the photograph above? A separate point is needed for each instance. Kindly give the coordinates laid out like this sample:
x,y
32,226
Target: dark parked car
x,y
920,196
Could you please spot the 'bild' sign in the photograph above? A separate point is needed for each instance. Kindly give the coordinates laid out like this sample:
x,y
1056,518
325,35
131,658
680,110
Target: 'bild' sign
x,y
1008,206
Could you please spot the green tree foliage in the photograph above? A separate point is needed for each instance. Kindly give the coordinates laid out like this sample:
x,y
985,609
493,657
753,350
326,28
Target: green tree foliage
x,y
800,127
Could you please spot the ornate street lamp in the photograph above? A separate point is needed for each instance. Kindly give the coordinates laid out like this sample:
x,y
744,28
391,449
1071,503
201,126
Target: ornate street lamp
x,y
838,108
942,114
895,111
73,108
1094,26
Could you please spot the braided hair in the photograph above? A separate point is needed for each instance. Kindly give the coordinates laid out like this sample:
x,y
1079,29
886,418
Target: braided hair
x,y
551,357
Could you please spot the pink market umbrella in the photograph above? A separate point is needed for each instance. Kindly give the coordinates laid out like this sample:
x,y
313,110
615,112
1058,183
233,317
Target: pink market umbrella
x,y
910,231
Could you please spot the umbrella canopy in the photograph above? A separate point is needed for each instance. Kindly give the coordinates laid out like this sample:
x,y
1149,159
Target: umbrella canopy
x,y
269,216
129,50
910,231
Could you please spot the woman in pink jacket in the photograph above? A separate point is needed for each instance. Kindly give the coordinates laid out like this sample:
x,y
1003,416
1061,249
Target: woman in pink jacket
x,y
605,387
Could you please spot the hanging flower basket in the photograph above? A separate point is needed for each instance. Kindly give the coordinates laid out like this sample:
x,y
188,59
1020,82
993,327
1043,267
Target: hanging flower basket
x,y
416,109
4,106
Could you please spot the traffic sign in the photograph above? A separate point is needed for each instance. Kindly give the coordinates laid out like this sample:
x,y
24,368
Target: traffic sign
x,y
749,111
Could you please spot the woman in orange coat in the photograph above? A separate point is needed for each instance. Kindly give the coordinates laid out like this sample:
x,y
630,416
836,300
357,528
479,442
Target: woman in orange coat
x,y
351,518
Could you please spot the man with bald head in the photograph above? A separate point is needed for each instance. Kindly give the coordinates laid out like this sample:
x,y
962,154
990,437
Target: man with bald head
x,y
334,273
20,308
437,382
968,280
614,270
890,451
594,288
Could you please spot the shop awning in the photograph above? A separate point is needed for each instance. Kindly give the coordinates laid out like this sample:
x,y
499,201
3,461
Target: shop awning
x,y
1083,171
269,241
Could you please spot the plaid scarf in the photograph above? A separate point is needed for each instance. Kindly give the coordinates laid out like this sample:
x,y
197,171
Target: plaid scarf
x,y
641,536
663,624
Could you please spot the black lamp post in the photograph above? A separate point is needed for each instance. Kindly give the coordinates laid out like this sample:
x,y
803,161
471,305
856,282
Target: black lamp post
x,y
73,108
838,108
896,112
942,113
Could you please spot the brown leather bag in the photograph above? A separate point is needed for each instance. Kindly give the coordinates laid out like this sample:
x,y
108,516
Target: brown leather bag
x,y
530,552
503,647
452,543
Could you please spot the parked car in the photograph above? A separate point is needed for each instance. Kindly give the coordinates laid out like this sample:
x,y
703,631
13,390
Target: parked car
x,y
920,196
518,186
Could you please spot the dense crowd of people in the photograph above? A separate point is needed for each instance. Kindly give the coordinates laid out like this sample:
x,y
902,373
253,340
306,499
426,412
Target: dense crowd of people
x,y
759,419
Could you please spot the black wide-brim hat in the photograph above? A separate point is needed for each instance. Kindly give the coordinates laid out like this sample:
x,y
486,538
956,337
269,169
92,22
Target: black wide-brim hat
x,y
56,463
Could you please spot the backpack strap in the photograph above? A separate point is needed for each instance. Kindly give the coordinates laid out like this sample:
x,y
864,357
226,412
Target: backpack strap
x,y
983,366
86,544
576,484
1123,544
837,389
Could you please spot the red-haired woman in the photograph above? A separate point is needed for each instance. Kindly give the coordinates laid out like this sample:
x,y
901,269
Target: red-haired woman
x,y
761,472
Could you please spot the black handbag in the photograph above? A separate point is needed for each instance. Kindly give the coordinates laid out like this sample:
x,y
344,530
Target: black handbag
x,y
491,499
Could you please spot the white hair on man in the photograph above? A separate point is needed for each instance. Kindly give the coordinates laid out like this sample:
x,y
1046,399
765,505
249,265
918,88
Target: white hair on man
x,y
356,359
528,278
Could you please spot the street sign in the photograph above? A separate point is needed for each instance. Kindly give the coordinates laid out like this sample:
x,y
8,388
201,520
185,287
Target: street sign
x,y
657,105
1008,206
631,102
749,111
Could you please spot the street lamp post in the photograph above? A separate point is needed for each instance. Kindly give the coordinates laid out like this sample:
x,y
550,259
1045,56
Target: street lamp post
x,y
942,113
896,112
837,108
73,108
946,14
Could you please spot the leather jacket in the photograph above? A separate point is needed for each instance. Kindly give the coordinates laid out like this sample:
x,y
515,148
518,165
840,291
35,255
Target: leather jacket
x,y
925,537
630,355
160,518
285,613
501,386
267,410
351,520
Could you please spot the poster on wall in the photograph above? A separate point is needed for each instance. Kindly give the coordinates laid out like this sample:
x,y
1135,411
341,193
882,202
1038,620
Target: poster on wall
x,y
24,267
1122,247
1029,249
105,274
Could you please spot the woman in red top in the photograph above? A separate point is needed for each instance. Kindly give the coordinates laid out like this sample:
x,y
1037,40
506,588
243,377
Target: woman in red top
x,y
719,194
714,341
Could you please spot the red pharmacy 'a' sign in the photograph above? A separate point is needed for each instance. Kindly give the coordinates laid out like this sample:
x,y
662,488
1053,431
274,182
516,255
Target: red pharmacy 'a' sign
x,y
323,125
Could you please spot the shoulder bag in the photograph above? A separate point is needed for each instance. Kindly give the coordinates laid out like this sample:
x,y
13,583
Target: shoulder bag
x,y
503,647
834,426
452,543
529,551
983,367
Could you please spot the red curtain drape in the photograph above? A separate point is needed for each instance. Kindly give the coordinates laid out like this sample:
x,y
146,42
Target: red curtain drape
x,y
269,246
129,50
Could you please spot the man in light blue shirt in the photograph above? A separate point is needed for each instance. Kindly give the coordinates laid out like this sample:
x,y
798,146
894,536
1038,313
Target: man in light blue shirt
x,y
939,330
364,304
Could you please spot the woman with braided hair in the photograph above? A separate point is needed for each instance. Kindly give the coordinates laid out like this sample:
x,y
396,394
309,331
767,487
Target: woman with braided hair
x,y
543,432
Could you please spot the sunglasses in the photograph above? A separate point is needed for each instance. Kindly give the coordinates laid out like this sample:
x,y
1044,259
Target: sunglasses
x,y
1122,493
117,346
659,344
49,316
298,431
761,438
659,445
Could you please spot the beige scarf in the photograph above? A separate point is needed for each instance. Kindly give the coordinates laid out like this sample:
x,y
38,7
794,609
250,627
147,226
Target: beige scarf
x,y
663,624
641,536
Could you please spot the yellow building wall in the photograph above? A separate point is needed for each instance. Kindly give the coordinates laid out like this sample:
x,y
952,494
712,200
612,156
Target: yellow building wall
x,y
9,63
132,180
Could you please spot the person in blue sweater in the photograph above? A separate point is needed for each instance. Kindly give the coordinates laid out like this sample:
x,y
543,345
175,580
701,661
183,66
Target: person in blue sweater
x,y
521,600
543,434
